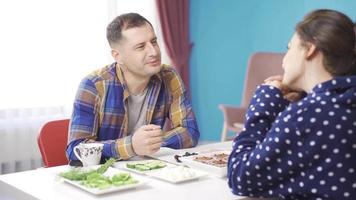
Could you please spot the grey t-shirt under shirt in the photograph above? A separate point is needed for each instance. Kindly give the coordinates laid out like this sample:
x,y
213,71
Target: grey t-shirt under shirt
x,y
137,107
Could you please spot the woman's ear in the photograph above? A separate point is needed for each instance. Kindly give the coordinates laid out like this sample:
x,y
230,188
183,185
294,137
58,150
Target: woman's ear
x,y
311,51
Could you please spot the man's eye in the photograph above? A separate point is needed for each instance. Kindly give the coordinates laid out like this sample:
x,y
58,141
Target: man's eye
x,y
139,47
154,42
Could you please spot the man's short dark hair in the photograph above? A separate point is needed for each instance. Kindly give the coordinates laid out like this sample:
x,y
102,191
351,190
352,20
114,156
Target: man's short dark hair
x,y
123,22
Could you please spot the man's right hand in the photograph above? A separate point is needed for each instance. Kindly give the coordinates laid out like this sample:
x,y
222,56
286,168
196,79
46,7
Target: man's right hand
x,y
147,139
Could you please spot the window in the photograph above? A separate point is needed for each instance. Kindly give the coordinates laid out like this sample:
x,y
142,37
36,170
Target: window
x,y
47,47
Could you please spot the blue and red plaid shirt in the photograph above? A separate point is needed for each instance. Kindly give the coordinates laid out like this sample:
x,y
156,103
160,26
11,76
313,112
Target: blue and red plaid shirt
x,y
100,112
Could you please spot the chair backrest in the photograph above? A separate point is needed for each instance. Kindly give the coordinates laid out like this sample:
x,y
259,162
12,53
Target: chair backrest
x,y
261,65
52,142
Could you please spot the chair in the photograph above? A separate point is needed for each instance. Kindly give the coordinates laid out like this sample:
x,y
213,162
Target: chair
x,y
260,66
52,142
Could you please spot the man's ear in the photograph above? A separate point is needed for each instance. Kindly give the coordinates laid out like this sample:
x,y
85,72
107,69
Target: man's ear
x,y
116,55
311,51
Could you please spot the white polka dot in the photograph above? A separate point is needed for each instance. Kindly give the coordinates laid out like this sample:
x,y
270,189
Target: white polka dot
x,y
334,188
325,122
322,182
346,194
338,126
319,133
301,184
314,190
312,143
333,82
336,151
331,113
317,110
286,130
331,174
331,136
312,120
342,179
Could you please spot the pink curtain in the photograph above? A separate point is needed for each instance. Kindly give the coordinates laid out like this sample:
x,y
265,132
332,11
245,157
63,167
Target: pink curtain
x,y
174,18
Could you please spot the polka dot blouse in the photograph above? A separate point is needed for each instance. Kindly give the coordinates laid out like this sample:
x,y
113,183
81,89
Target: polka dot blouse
x,y
302,150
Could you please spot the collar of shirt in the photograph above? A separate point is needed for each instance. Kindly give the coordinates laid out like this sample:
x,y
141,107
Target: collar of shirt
x,y
339,82
157,78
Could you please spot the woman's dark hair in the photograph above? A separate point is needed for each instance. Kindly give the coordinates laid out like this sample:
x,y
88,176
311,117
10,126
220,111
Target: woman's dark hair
x,y
333,34
123,22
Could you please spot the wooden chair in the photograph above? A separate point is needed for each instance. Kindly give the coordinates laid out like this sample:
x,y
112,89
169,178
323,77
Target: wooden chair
x,y
260,66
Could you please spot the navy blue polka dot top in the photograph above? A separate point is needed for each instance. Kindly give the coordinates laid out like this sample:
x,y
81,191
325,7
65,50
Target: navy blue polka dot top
x,y
300,150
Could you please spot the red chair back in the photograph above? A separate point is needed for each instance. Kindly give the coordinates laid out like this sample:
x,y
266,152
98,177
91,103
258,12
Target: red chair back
x,y
52,142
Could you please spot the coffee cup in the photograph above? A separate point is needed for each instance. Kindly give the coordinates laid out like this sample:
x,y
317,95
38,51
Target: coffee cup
x,y
89,153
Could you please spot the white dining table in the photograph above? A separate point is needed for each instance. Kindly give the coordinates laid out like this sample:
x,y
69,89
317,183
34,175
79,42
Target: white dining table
x,y
44,183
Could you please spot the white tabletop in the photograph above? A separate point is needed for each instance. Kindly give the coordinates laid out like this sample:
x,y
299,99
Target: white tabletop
x,y
44,184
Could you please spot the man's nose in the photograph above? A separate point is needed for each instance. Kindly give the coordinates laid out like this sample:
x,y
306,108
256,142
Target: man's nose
x,y
152,50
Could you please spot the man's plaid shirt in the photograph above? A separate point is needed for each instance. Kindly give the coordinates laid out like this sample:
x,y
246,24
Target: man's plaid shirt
x,y
100,112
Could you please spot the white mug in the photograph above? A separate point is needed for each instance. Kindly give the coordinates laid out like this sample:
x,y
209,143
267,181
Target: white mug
x,y
89,153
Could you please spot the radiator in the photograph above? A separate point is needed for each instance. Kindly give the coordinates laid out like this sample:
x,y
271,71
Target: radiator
x,y
19,129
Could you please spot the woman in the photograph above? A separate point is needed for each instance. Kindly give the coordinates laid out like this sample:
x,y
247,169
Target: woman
x,y
304,149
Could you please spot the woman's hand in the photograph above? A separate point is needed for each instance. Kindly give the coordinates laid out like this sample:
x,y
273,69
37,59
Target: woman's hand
x,y
290,95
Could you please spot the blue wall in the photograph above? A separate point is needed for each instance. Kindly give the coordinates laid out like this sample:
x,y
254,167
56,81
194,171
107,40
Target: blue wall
x,y
225,33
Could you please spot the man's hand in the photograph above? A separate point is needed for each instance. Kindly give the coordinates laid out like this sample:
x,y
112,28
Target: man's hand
x,y
147,139
290,95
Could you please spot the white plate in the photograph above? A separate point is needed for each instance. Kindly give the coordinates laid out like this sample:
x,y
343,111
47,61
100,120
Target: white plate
x,y
110,172
215,170
177,174
122,165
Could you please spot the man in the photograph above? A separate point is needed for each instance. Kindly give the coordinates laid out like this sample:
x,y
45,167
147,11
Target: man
x,y
125,105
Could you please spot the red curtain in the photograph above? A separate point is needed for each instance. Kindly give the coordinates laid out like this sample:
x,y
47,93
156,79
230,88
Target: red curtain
x,y
174,18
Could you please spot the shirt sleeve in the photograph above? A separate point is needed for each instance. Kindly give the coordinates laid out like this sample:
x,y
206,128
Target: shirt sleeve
x,y
85,121
260,157
184,133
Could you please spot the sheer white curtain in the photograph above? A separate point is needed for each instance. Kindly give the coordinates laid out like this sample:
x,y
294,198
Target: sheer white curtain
x,y
47,46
